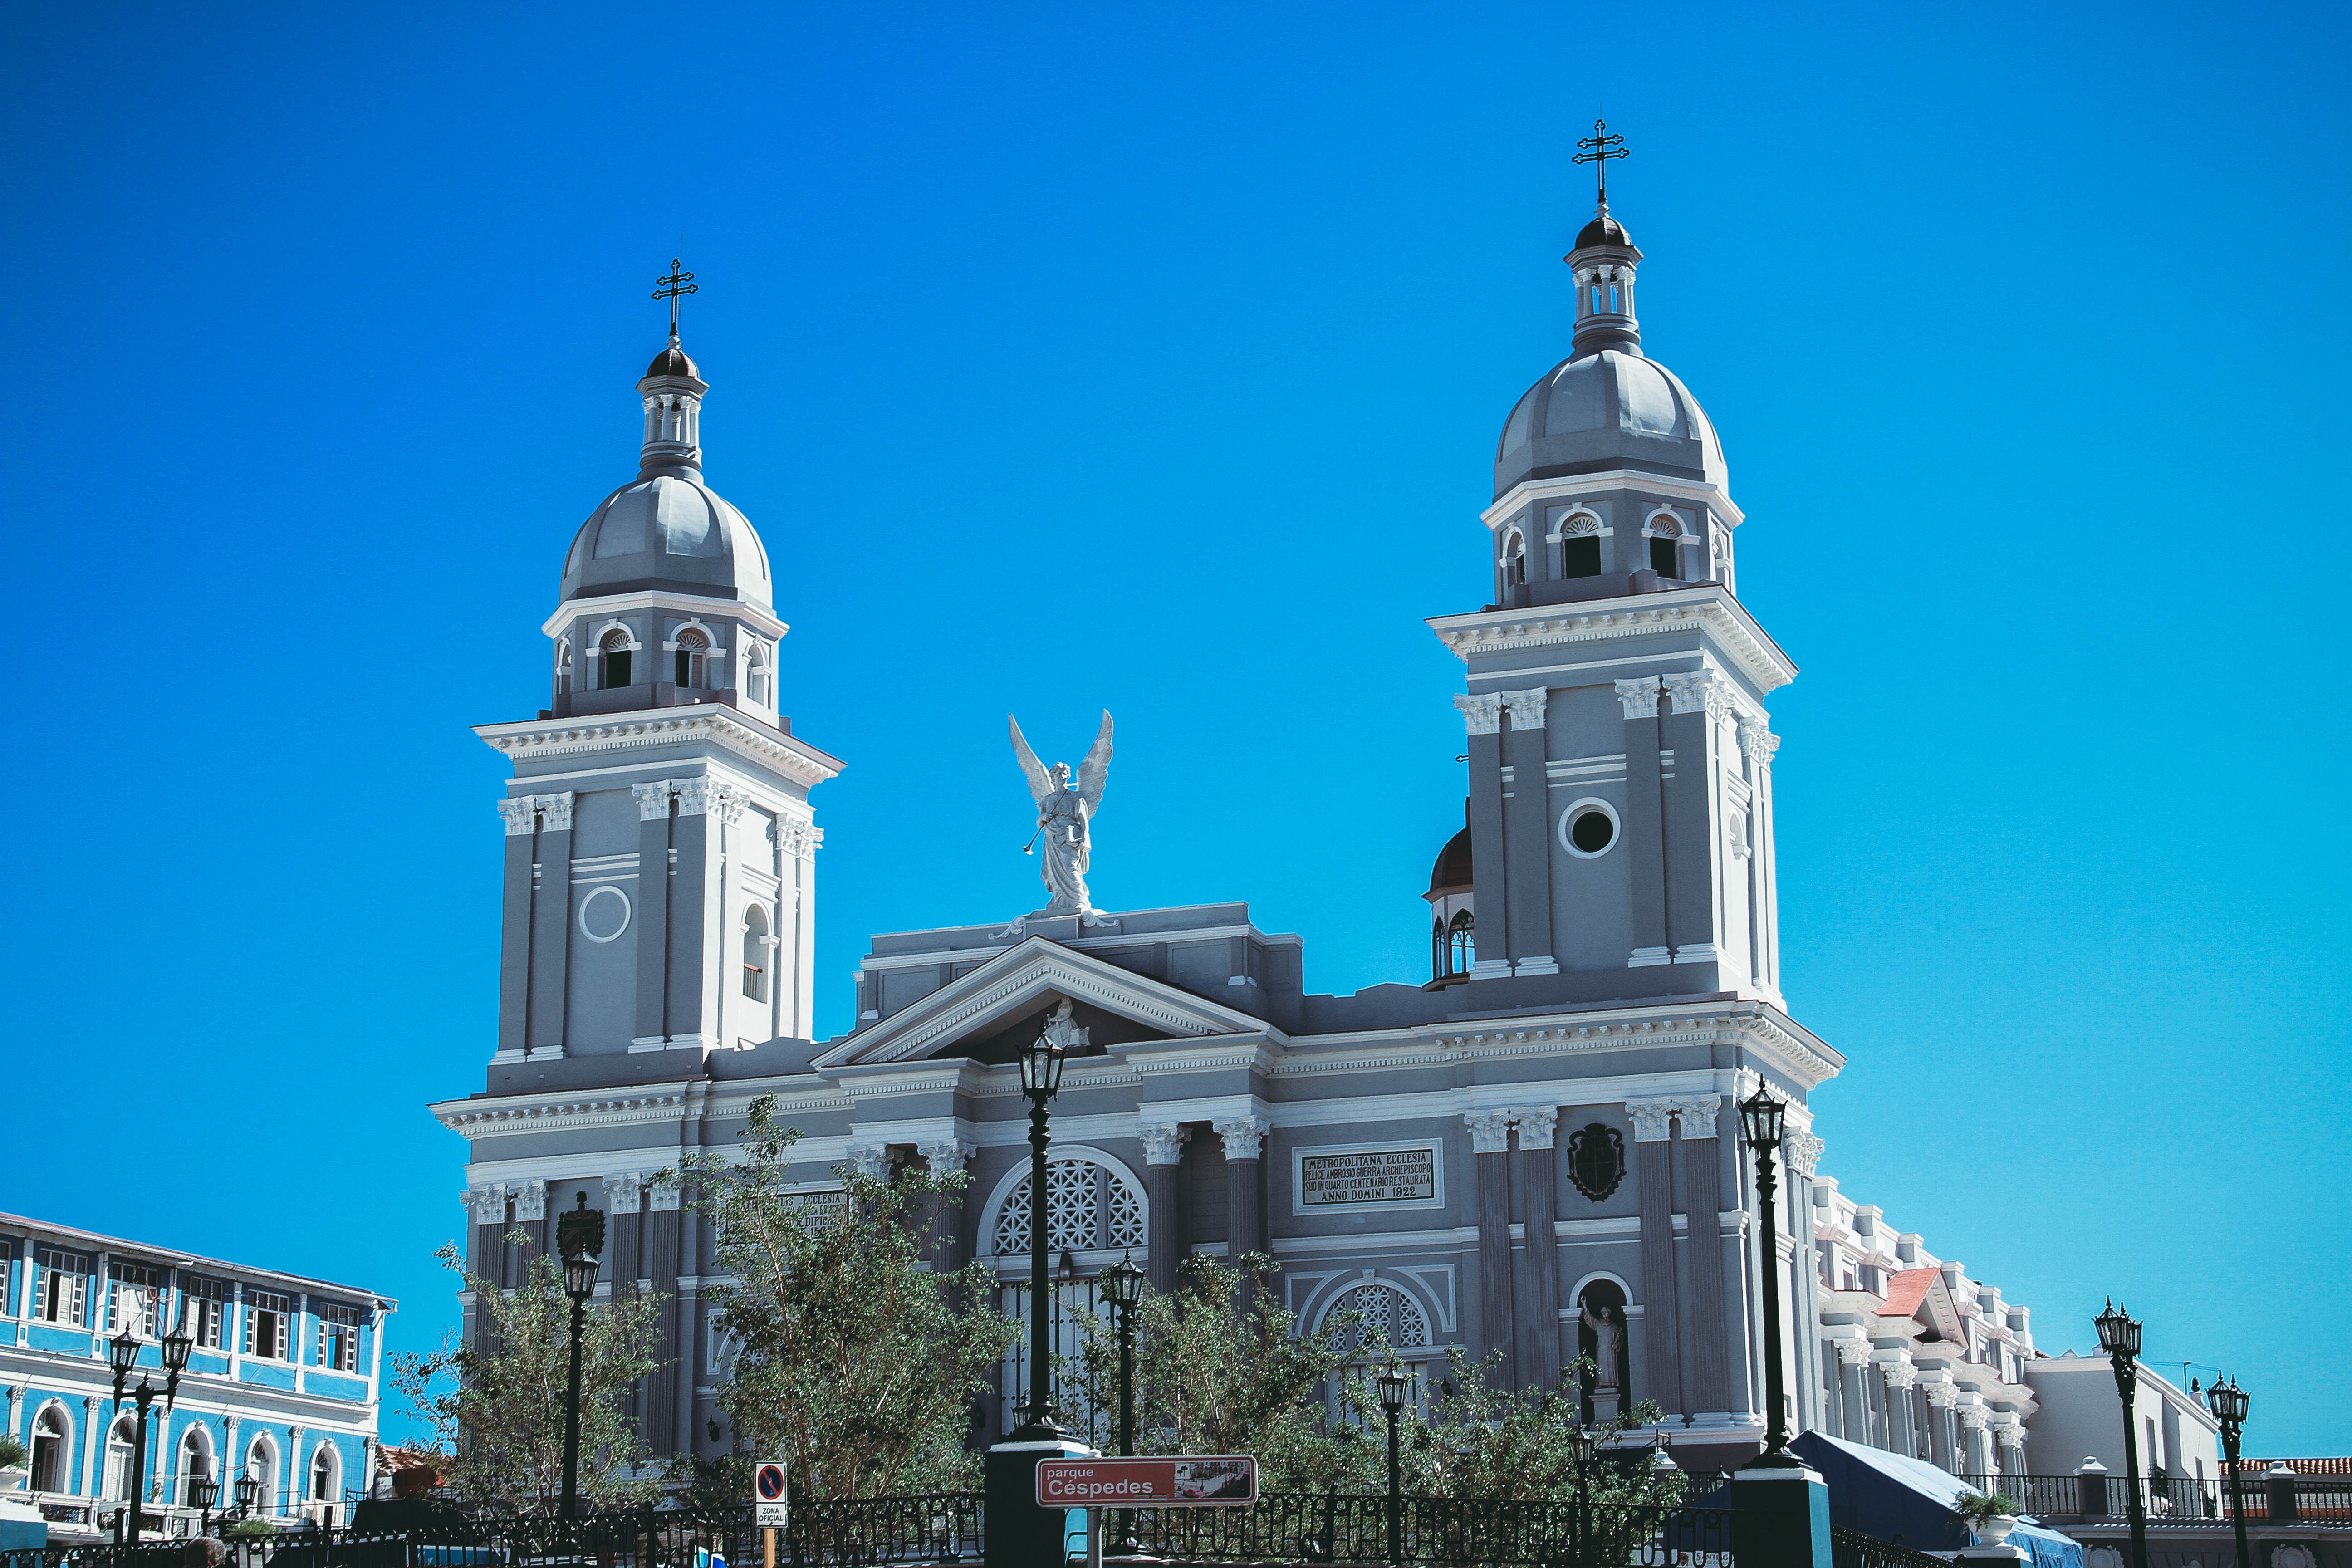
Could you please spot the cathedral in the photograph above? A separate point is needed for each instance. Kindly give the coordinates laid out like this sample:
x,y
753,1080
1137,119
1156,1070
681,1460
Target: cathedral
x,y
1532,1151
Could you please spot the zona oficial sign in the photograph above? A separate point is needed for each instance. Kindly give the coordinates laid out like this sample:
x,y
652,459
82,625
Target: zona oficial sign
x,y
1184,1479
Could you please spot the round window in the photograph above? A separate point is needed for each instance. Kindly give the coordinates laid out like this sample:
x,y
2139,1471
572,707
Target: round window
x,y
1592,832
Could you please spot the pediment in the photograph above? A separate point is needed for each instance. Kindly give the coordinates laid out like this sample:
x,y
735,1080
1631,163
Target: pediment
x,y
1025,979
1921,1295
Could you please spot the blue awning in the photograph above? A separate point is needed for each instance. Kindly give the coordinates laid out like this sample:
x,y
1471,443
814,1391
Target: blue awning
x,y
1909,1501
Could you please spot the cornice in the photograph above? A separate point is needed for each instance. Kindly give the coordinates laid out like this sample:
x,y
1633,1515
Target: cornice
x,y
546,738
662,599
473,1118
1709,607
1566,487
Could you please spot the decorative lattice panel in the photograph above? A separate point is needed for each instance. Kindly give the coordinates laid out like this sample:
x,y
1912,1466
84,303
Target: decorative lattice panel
x,y
1074,1217
1390,1316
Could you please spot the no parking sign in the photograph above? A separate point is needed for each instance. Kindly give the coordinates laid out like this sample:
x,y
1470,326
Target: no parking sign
x,y
767,1500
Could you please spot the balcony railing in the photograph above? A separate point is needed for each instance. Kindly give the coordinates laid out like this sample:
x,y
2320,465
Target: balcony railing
x,y
2178,1500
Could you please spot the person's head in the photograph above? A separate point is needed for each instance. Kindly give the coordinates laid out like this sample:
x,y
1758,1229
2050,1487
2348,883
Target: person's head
x,y
203,1551
1061,775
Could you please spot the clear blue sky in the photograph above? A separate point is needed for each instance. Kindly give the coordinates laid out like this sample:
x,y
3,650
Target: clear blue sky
x,y
1152,359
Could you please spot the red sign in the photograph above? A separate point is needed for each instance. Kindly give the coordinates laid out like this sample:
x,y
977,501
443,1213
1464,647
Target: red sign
x,y
1183,1481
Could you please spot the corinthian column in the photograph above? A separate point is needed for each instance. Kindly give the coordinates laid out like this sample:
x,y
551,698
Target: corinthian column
x,y
1163,1153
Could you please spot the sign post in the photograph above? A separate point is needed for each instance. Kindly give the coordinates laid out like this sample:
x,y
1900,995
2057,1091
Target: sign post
x,y
769,1506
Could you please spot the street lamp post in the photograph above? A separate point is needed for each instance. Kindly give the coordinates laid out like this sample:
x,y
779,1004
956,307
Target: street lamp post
x,y
2228,1402
122,1356
1041,1079
1763,1116
1582,1445
248,1495
2119,1337
1122,1284
580,1237
1391,1382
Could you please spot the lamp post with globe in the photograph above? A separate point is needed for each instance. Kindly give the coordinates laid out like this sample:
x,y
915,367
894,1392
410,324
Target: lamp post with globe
x,y
122,1356
2228,1402
2119,1337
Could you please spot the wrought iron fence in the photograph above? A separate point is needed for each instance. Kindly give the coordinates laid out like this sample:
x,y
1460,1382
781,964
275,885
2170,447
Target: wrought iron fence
x,y
1331,1527
2172,1500
1852,1549
1294,1526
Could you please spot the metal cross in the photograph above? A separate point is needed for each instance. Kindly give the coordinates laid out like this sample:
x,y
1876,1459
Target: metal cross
x,y
1601,147
679,282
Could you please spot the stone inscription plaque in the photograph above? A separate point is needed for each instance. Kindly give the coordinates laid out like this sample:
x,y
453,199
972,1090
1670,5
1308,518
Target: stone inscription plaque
x,y
1371,1176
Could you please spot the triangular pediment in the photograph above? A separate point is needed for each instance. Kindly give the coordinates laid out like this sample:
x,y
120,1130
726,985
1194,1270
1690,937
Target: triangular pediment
x,y
1921,1295
1025,979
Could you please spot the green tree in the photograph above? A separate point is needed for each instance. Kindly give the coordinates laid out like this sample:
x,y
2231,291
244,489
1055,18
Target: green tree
x,y
497,1404
1220,1368
860,1364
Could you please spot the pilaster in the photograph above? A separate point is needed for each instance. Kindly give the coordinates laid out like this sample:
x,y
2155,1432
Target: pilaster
x,y
550,924
1694,813
522,819
1707,1322
1644,821
1482,717
1526,835
654,878
686,1011
1653,1178
1535,1170
1490,1143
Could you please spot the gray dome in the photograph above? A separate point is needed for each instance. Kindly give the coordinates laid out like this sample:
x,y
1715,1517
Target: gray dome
x,y
668,530
1608,410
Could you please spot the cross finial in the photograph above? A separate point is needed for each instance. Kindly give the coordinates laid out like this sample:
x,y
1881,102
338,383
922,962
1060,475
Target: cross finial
x,y
1597,148
671,287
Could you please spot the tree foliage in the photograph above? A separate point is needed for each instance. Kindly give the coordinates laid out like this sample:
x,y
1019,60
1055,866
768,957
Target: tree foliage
x,y
497,1404
1220,1368
859,1364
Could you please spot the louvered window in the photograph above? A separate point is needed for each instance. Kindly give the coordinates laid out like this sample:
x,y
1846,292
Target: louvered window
x,y
61,1295
266,1314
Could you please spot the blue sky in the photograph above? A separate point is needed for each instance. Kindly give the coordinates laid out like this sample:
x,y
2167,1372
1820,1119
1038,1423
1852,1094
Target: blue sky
x,y
1152,359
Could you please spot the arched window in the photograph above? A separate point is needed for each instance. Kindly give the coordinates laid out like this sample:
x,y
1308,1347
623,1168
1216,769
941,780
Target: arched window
x,y
1087,1207
52,1441
195,1463
693,659
564,666
755,954
1514,559
615,646
122,1439
261,1464
322,1473
1461,944
1391,1321
1665,546
758,678
1579,546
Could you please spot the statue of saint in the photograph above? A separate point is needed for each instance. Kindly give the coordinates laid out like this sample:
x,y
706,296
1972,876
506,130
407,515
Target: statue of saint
x,y
1608,1335
1064,813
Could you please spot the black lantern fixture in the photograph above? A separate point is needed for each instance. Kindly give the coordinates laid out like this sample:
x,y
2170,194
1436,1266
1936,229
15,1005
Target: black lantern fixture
x,y
1393,1385
2119,1337
204,1492
123,1354
2228,1402
580,1235
1763,1116
1041,1079
248,1494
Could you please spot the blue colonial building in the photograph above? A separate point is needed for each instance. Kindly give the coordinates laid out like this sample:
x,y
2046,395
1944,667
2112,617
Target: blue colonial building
x,y
283,1383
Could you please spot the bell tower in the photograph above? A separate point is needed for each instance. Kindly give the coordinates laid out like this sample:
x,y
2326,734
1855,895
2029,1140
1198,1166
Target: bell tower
x,y
1619,750
661,846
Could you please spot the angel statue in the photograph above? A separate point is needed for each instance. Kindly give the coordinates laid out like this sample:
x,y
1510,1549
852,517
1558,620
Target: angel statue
x,y
1064,813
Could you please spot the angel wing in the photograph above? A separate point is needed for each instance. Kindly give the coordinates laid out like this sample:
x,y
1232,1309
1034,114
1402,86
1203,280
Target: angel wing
x,y
1095,771
1041,786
